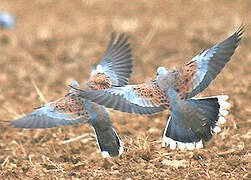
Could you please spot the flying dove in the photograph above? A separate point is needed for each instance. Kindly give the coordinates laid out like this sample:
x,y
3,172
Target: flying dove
x,y
191,120
113,70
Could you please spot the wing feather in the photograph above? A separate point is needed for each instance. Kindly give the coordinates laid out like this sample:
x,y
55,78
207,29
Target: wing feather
x,y
115,67
198,73
137,99
66,111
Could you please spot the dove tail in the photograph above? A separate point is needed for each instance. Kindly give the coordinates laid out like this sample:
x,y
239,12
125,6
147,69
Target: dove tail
x,y
199,126
108,141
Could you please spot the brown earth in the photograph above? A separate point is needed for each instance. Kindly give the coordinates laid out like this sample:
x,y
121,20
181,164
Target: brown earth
x,y
55,42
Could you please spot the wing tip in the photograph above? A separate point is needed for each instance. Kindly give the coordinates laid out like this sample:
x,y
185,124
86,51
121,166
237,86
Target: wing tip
x,y
117,56
7,123
117,37
240,31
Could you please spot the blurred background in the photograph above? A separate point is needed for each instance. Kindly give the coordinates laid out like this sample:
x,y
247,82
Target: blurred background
x,y
50,43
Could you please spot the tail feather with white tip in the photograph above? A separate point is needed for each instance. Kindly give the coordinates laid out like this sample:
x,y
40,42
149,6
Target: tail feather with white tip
x,y
194,120
108,141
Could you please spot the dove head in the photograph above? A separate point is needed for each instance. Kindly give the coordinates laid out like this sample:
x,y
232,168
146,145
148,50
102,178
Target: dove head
x,y
161,71
73,84
163,78
7,20
97,68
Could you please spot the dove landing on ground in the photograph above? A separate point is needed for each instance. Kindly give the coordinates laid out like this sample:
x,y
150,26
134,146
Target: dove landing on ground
x,y
190,80
113,70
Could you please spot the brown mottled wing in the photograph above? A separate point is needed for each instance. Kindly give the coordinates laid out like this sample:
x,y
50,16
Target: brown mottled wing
x,y
67,111
115,67
145,98
198,73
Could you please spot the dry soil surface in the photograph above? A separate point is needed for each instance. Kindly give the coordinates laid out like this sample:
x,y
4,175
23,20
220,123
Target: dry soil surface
x,y
55,42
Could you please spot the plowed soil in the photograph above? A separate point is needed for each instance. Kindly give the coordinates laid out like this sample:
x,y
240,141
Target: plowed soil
x,y
55,42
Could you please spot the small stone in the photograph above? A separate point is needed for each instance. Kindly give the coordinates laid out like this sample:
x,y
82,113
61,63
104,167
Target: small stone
x,y
175,163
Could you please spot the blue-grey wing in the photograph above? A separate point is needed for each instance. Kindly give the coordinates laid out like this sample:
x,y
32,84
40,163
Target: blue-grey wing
x,y
66,111
115,67
144,98
198,73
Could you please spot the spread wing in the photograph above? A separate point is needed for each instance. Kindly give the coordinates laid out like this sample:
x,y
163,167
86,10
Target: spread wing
x,y
198,73
66,111
115,67
137,99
